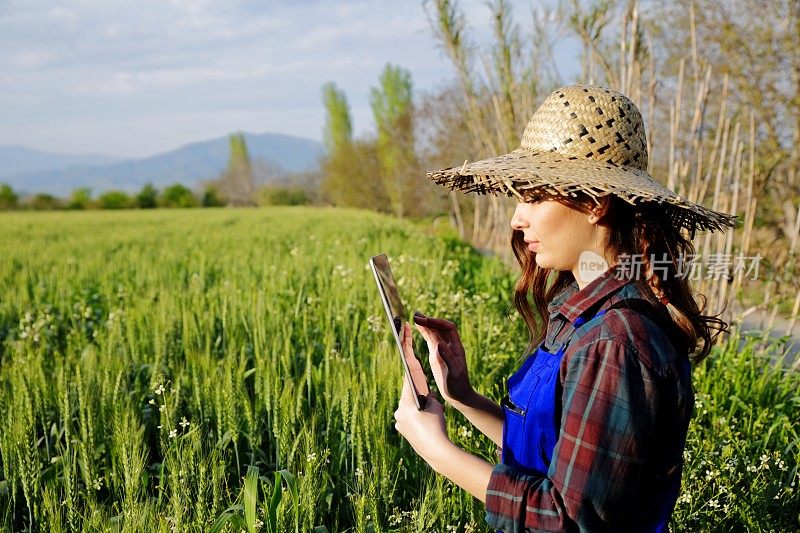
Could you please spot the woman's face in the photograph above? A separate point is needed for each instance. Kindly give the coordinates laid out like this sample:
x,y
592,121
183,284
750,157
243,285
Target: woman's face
x,y
561,237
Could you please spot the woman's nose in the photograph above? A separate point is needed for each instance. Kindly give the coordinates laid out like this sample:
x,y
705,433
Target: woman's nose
x,y
517,220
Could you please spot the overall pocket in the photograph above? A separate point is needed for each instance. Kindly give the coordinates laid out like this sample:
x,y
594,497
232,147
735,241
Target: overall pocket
x,y
529,413
519,445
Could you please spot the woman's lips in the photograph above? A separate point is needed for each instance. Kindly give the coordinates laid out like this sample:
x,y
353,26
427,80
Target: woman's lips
x,y
533,245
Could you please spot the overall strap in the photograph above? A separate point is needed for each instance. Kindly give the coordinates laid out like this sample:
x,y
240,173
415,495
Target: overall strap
x,y
660,317
586,316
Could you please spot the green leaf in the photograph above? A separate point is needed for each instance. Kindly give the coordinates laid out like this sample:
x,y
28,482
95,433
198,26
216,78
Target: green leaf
x,y
230,515
274,501
250,493
291,481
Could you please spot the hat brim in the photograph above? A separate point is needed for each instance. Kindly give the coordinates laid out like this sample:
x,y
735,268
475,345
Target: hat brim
x,y
522,172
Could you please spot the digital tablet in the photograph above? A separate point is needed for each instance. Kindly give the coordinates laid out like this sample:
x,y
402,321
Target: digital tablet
x,y
395,313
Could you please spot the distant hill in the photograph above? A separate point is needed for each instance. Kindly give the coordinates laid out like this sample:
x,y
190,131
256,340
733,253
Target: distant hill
x,y
189,165
15,160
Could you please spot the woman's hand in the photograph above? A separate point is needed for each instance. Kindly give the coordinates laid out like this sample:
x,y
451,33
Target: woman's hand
x,y
447,358
425,430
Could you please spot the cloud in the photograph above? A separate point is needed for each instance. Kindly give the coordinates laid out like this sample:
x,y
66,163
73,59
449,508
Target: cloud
x,y
111,62
128,82
28,59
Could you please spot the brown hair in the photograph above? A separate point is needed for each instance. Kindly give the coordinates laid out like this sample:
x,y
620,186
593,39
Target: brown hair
x,y
644,232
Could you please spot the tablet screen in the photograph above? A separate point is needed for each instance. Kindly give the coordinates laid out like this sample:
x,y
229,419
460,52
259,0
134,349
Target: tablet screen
x,y
395,313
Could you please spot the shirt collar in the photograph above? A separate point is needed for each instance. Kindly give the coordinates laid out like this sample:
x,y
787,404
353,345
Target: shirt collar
x,y
572,302
559,299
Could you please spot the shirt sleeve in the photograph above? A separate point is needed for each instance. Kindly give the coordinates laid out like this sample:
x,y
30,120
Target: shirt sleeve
x,y
610,400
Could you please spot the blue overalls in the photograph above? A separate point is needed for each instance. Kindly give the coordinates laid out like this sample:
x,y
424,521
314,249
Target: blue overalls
x,y
530,428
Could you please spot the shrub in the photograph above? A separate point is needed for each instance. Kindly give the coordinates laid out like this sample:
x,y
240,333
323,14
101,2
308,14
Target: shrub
x,y
284,195
147,197
178,195
114,200
80,198
44,202
212,198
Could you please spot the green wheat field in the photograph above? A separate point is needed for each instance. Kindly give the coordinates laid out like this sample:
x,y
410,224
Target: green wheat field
x,y
231,370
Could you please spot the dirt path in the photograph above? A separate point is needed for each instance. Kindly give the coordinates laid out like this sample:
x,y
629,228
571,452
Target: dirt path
x,y
754,324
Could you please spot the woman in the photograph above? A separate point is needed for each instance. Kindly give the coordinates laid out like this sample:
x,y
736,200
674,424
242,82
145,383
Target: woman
x,y
592,430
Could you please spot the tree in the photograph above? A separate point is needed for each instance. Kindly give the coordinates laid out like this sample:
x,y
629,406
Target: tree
x,y
753,46
392,109
284,195
44,202
178,195
147,197
80,198
496,103
211,198
311,182
350,168
338,132
114,200
8,198
444,139
237,181
337,136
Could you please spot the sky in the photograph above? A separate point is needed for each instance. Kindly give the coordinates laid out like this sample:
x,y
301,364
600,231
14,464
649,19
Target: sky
x,y
138,77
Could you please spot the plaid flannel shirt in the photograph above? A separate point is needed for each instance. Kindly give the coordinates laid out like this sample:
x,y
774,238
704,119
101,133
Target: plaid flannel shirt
x,y
624,411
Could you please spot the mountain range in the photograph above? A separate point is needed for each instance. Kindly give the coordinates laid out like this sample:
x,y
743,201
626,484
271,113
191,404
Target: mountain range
x,y
34,171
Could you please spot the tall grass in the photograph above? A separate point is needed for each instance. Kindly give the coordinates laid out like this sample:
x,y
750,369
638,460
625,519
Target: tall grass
x,y
230,370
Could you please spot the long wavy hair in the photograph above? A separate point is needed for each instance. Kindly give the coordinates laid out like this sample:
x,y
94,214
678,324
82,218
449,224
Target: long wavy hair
x,y
643,231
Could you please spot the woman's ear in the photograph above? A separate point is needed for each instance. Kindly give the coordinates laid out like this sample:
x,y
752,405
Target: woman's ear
x,y
600,209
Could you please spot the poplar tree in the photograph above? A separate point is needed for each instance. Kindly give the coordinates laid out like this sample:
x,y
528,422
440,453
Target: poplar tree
x,y
338,133
392,110
350,168
237,182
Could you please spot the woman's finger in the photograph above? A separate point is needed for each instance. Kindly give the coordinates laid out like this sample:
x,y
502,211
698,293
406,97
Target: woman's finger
x,y
414,366
430,336
408,348
434,323
432,404
405,337
446,329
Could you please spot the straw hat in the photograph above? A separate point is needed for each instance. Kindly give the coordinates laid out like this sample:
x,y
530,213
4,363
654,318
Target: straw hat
x,y
582,138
